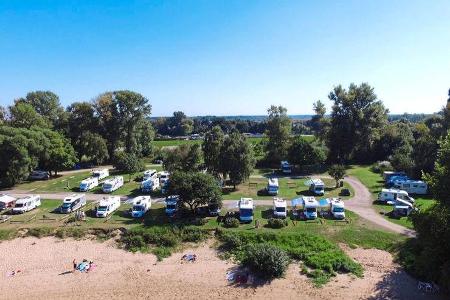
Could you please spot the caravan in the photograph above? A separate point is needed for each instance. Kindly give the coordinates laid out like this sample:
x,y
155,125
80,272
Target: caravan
x,y
107,206
279,208
412,186
163,177
72,203
391,195
141,205
112,184
337,208
150,185
286,168
317,187
150,174
272,186
246,209
88,184
310,206
171,205
100,174
6,201
26,204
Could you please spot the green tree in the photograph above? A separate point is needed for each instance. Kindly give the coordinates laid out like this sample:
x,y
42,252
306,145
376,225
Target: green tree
x,y
278,132
186,157
337,172
2,115
15,161
211,146
303,153
237,158
61,155
92,147
319,123
128,162
46,104
356,120
25,116
179,124
81,119
195,189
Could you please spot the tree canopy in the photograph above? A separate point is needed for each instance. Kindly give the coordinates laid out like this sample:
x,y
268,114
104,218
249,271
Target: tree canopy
x,y
278,132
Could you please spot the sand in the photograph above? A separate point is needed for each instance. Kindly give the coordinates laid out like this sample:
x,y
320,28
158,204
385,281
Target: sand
x,y
45,264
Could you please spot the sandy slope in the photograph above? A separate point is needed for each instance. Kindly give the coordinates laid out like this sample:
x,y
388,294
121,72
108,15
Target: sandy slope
x,y
122,275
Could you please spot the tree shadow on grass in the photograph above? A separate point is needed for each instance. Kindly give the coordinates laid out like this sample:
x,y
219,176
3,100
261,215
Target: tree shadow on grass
x,y
267,214
305,193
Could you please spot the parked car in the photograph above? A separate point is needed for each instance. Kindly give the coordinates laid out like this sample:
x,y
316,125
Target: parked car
x,y
39,175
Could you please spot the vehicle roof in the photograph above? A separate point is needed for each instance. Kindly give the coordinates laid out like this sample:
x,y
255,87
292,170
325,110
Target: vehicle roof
x,y
89,179
150,171
279,202
310,201
139,199
109,200
397,191
73,197
273,181
6,198
100,170
26,198
413,181
246,203
317,181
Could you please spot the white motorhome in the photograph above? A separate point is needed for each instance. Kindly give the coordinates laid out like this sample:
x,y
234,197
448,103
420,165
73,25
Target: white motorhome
x,y
310,206
141,205
26,204
150,174
337,208
402,208
6,201
72,203
107,206
272,186
150,185
317,187
246,209
279,208
391,195
88,184
418,187
285,167
171,205
112,184
164,177
100,173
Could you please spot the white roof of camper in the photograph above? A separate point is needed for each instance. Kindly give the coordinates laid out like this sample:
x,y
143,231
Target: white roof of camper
x,y
310,201
100,171
394,191
337,202
317,181
273,181
6,198
140,199
279,202
26,199
73,197
88,180
246,203
109,200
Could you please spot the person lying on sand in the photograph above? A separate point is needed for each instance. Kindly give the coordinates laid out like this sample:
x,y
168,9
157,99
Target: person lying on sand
x,y
189,258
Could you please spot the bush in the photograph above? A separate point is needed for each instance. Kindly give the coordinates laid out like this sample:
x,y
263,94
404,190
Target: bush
x,y
135,243
231,222
162,252
193,235
381,166
40,232
276,223
6,234
199,221
128,162
76,233
266,260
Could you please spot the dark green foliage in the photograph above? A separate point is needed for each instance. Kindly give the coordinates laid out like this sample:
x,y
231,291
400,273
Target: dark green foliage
x,y
6,234
337,172
92,148
76,233
266,260
231,222
40,232
128,162
276,223
304,153
183,158
278,132
212,146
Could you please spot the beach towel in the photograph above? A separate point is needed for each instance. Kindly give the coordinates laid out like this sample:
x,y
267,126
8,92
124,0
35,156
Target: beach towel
x,y
82,267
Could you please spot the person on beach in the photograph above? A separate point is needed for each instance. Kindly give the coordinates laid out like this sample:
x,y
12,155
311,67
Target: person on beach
x,y
74,265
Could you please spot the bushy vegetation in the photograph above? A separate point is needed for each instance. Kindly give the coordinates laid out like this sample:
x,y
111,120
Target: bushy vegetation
x,y
317,253
6,234
277,223
266,260
231,222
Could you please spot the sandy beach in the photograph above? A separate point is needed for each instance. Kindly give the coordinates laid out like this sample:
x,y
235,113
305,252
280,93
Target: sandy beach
x,y
45,263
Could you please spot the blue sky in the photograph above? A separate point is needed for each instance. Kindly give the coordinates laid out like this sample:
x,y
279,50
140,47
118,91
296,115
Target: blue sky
x,y
227,57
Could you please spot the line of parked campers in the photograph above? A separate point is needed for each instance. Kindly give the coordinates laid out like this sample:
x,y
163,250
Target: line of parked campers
x,y
152,181
399,187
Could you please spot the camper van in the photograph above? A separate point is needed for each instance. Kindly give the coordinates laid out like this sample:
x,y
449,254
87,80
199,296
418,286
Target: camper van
x,y
310,206
272,186
246,209
412,186
171,205
388,174
26,204
279,208
163,177
391,195
100,174
402,208
150,185
72,203
285,167
6,201
39,175
107,206
141,205
317,187
150,174
112,184
396,179
88,184
337,208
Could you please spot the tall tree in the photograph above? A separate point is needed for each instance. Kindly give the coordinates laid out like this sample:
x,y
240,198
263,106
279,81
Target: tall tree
x,y
278,133
319,124
211,146
46,104
2,115
356,120
303,153
186,157
15,161
92,147
23,115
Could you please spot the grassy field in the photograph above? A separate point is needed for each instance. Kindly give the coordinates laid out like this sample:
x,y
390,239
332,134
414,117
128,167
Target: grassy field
x,y
374,182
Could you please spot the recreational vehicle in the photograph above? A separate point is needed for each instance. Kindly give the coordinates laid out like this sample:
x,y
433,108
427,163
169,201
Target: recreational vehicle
x,y
396,179
107,206
163,177
391,195
388,174
112,184
149,185
279,208
72,203
150,174
26,204
100,174
412,186
337,208
402,208
39,175
246,209
171,205
317,187
6,201
272,186
285,167
88,184
141,205
310,206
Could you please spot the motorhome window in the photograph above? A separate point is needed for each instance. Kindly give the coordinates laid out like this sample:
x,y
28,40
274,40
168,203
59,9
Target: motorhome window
x,y
66,205
311,209
83,185
338,209
138,208
102,208
246,212
171,206
108,186
19,205
415,185
281,209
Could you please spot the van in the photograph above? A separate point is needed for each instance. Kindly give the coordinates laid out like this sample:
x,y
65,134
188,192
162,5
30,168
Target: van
x,y
72,203
88,184
112,184
389,196
163,177
246,209
310,206
141,205
107,206
279,208
26,204
417,187
6,201
285,167
150,174
317,187
272,186
337,209
171,205
150,184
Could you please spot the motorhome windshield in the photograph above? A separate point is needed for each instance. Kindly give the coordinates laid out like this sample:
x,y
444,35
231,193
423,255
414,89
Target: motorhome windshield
x,y
83,185
19,205
338,209
102,208
171,206
281,209
66,205
107,186
311,209
138,208
319,188
246,212
96,174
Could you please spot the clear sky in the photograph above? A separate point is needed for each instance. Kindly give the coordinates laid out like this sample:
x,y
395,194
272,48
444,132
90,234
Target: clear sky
x,y
227,57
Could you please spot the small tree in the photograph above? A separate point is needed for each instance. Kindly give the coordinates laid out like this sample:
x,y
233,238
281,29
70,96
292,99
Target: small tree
x,y
195,189
128,162
303,153
337,172
266,260
183,158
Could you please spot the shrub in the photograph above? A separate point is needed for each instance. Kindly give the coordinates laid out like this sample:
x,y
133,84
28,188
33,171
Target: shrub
x,y
135,243
276,223
6,234
76,233
231,222
128,162
266,260
193,235
162,252
381,166
40,232
199,221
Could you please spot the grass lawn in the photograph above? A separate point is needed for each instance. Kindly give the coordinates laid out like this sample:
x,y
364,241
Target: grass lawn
x,y
289,188
374,182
